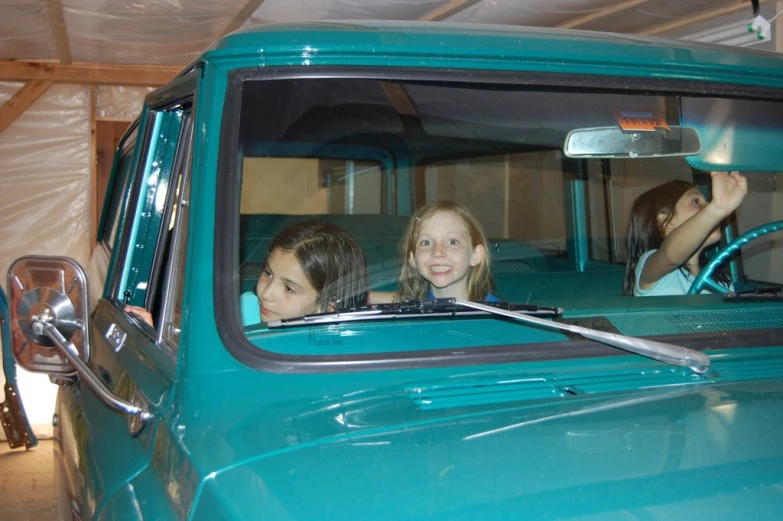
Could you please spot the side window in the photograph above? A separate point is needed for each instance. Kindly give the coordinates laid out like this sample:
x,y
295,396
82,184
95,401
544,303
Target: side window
x,y
151,236
114,206
172,293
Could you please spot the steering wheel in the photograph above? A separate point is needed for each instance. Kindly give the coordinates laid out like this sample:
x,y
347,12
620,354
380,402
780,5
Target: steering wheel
x,y
703,279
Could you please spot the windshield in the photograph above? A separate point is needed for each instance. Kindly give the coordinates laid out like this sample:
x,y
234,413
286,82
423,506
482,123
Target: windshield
x,y
356,192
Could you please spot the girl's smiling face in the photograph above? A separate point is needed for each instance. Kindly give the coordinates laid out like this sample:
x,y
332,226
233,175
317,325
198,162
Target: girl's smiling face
x,y
283,289
444,255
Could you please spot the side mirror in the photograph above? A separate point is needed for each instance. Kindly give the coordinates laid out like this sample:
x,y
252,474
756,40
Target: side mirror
x,y
49,290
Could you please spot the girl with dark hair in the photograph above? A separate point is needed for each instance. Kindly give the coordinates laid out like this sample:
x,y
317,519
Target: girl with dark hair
x,y
669,228
312,267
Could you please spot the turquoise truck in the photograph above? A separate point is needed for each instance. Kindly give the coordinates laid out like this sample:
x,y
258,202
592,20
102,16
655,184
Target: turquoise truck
x,y
567,399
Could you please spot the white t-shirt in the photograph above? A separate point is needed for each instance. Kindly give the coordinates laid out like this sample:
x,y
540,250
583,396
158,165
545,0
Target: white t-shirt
x,y
678,282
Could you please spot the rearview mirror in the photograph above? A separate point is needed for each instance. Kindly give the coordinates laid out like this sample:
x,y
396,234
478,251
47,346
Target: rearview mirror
x,y
53,290
608,142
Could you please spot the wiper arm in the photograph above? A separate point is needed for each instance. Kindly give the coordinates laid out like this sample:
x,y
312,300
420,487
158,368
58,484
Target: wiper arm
x,y
444,307
672,354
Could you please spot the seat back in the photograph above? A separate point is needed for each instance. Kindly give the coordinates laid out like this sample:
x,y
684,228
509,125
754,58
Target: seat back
x,y
379,237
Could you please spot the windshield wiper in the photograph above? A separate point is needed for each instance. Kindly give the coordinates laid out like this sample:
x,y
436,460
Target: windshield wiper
x,y
764,293
439,307
672,354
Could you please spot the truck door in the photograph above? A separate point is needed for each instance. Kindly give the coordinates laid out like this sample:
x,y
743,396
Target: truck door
x,y
142,236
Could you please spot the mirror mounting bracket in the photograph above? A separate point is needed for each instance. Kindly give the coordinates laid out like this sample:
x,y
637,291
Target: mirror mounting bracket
x,y
137,409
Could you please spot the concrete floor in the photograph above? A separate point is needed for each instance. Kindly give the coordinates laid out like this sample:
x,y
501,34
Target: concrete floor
x,y
27,483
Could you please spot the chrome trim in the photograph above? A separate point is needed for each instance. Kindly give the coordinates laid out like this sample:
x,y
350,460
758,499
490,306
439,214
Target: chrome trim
x,y
116,337
61,285
178,247
92,381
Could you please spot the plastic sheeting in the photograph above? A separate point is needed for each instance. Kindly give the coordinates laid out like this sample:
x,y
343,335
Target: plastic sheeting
x,y
25,31
172,32
546,14
45,201
116,101
287,11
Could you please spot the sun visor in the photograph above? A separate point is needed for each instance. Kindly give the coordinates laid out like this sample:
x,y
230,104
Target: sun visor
x,y
735,134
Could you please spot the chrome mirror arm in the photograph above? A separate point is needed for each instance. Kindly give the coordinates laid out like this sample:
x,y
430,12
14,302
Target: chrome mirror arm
x,y
99,388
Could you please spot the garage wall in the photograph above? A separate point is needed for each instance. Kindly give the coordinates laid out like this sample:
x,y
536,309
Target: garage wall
x,y
45,194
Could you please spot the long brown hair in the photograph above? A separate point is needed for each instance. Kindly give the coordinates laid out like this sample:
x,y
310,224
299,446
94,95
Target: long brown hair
x,y
415,287
645,230
331,259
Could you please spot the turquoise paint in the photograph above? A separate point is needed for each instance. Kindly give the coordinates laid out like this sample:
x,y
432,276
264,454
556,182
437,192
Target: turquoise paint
x,y
578,249
739,142
150,211
473,460
606,437
361,337
411,44
726,252
199,295
126,198
141,205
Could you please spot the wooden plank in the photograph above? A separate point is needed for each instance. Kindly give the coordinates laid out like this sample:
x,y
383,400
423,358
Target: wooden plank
x,y
707,15
57,21
581,20
399,98
245,12
95,211
114,119
88,73
19,102
450,8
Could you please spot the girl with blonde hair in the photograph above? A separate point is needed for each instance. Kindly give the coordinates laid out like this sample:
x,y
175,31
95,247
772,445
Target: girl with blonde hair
x,y
444,254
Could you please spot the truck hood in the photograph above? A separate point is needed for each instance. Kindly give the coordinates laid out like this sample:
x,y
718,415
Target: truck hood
x,y
674,453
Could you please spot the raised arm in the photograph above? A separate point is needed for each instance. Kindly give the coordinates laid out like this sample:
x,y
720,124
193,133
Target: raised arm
x,y
687,238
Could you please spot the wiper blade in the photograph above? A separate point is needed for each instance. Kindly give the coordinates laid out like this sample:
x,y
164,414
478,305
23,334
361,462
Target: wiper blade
x,y
671,354
439,307
763,293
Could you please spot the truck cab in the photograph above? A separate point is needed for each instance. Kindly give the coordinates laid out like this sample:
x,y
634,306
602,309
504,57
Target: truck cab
x,y
567,399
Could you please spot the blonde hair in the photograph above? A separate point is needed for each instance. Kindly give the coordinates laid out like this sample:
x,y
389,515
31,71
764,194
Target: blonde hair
x,y
415,287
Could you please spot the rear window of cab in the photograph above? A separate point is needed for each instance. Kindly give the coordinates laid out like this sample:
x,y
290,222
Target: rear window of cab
x,y
364,154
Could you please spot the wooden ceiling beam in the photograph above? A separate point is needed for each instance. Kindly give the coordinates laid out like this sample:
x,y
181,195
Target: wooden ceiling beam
x,y
582,20
19,102
244,13
89,73
400,98
707,15
448,9
60,34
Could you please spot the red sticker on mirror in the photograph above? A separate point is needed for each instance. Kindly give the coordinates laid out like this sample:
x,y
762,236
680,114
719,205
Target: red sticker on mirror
x,y
639,121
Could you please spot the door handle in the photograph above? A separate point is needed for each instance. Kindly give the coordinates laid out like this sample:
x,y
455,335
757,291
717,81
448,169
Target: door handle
x,y
116,337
